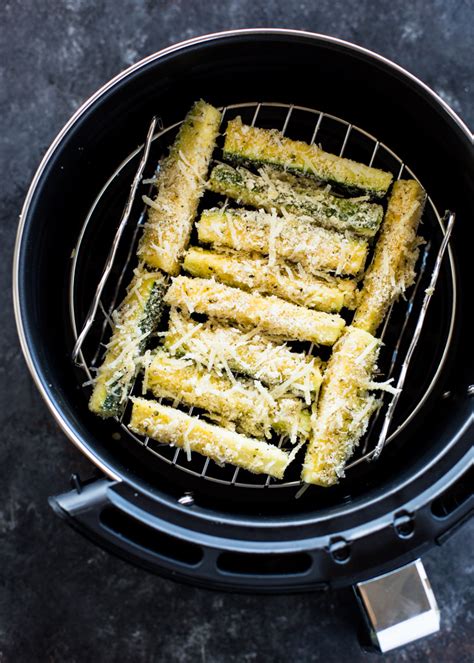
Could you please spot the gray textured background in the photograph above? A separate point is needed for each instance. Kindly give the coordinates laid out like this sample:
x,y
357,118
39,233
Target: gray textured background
x,y
62,599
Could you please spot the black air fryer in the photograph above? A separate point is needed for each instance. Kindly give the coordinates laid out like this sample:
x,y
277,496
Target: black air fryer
x,y
219,527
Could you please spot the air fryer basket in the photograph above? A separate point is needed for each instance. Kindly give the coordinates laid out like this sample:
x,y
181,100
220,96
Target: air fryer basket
x,y
397,333
225,533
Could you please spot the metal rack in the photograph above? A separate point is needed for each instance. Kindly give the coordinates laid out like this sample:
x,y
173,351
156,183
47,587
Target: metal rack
x,y
99,312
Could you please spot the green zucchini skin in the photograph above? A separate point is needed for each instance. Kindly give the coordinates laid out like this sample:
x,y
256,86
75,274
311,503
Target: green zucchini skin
x,y
269,191
297,240
247,145
153,311
114,403
109,400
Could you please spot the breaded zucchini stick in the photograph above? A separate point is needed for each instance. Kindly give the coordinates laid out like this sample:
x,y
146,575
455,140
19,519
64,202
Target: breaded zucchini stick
x,y
392,269
171,426
271,314
253,273
181,182
251,145
222,348
290,238
250,407
344,407
137,316
272,191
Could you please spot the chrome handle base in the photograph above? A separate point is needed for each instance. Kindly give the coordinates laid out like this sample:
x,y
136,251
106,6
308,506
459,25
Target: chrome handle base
x,y
399,607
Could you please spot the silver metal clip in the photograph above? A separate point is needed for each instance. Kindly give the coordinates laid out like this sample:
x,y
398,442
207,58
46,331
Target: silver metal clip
x,y
400,606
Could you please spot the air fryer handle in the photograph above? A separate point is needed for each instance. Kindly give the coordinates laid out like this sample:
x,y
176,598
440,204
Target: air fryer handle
x,y
105,512
115,518
82,508
93,509
398,607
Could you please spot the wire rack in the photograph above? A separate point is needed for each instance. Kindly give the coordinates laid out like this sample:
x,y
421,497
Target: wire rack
x,y
337,136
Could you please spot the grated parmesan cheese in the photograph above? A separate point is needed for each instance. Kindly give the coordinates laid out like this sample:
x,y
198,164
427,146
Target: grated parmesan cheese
x,y
180,186
251,272
211,346
132,324
392,269
272,314
344,407
176,428
298,240
248,404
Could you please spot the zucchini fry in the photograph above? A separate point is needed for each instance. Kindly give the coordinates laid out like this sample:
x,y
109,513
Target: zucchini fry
x,y
254,146
171,426
252,409
270,191
254,273
272,314
344,407
290,238
223,348
137,316
180,186
392,269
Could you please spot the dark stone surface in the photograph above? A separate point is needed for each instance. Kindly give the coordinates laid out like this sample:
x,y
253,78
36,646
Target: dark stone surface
x,y
61,598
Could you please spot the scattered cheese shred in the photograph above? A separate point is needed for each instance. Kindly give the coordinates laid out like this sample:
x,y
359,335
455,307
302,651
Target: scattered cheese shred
x,y
246,144
132,323
180,184
272,191
248,404
298,240
392,269
215,347
344,407
223,446
253,273
272,314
